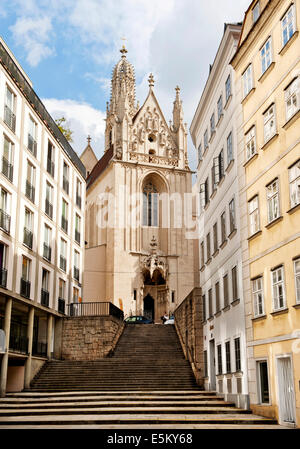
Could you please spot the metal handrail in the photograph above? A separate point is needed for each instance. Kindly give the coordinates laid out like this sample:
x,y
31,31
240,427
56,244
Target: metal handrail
x,y
94,309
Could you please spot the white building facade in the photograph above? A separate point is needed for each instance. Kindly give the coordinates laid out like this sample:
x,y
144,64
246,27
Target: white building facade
x,y
42,183
213,131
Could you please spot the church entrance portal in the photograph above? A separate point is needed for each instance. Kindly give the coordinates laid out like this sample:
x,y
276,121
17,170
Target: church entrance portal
x,y
149,307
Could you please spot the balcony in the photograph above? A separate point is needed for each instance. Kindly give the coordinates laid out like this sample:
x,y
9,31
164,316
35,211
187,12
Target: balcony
x,y
49,208
44,298
65,184
50,167
7,169
30,191
10,118
63,263
77,236
61,305
76,273
28,238
64,224
47,252
25,288
32,145
4,221
3,277
78,200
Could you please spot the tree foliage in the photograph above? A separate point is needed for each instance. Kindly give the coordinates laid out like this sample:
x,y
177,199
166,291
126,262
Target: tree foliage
x,y
64,128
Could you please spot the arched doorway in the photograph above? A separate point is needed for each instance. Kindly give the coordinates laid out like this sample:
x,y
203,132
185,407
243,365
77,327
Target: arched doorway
x,y
149,307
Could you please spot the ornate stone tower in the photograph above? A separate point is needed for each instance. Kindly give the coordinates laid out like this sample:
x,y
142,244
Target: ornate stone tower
x,y
141,259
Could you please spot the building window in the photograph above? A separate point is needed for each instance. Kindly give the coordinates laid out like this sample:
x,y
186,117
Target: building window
x,y
253,215
297,279
229,149
215,173
247,80
25,279
173,297
215,233
63,255
219,352
205,363
225,290
28,228
292,98
199,152
220,107
3,264
250,139
288,25
212,124
75,295
78,193
45,288
223,227
228,357
49,200
77,228
294,179
64,216
269,123
278,291
5,218
150,205
263,382
9,109
266,56
208,252
47,243
273,200
221,164
228,88
258,297
255,12
204,307
30,182
205,140
32,131
76,265
237,350
50,159
7,159
202,254
65,183
210,304
61,295
217,293
204,194
234,281
232,224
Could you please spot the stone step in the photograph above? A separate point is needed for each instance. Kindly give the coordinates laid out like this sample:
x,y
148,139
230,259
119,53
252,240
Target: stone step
x,y
202,393
67,403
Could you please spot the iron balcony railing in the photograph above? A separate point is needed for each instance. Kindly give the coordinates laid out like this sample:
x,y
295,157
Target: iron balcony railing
x,y
64,224
47,252
25,288
32,145
77,236
78,200
49,208
9,118
63,263
39,349
30,191
61,305
65,184
44,297
95,309
76,273
50,167
3,277
28,238
7,169
4,221
18,343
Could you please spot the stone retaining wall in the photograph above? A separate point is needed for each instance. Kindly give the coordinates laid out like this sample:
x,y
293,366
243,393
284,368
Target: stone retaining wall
x,y
89,338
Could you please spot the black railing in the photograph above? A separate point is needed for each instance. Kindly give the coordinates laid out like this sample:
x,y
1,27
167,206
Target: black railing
x,y
65,184
4,221
7,169
32,145
30,191
50,167
47,252
9,118
39,349
44,297
25,288
64,224
49,208
61,305
95,309
63,263
18,343
3,277
78,200
77,236
76,273
28,238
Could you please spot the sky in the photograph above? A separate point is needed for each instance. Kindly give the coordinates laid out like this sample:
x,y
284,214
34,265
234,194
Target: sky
x,y
68,48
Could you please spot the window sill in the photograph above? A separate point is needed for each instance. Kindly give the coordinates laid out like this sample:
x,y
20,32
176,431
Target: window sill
x,y
289,43
273,222
210,318
251,159
293,209
218,313
269,141
266,72
215,253
259,318
228,101
212,137
223,244
292,119
213,194
296,306
249,94
206,205
228,168
226,308
220,119
280,312
221,181
236,302
232,234
202,268
256,234
208,261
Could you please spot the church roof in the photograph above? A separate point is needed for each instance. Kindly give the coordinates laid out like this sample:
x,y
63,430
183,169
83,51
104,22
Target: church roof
x,y
99,167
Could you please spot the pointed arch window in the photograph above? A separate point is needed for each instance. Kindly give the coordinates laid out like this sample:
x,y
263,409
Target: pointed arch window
x,y
150,205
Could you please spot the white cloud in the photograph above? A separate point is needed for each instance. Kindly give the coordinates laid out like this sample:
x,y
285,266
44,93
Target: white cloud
x,y
83,120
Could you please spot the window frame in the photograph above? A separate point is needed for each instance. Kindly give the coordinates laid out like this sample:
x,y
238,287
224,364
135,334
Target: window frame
x,y
273,200
297,280
258,297
276,285
267,117
292,90
289,36
295,182
266,55
247,77
250,143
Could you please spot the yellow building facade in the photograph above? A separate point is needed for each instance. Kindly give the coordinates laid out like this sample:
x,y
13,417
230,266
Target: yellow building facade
x,y
267,65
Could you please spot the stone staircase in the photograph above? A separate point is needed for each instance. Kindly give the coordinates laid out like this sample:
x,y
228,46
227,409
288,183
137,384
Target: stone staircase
x,y
147,382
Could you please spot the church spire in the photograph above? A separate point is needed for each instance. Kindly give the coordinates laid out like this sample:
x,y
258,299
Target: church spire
x,y
177,110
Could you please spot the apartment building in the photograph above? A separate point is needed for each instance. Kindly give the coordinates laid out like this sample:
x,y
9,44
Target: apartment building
x,y
267,65
42,197
214,134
